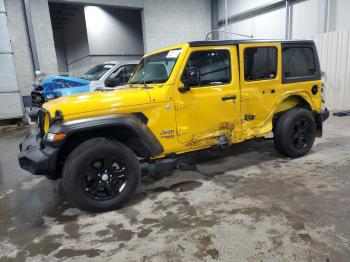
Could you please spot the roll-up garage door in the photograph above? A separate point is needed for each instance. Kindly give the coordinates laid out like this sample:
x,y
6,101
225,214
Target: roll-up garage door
x,y
10,100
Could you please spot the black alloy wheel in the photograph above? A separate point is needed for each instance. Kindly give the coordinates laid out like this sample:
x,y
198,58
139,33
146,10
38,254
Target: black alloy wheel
x,y
301,134
294,132
104,178
101,174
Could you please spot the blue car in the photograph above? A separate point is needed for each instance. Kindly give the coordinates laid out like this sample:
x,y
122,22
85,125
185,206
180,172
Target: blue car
x,y
108,76
57,86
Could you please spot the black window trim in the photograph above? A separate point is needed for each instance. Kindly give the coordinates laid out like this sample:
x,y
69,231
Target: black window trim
x,y
177,58
211,50
316,76
122,65
263,79
118,68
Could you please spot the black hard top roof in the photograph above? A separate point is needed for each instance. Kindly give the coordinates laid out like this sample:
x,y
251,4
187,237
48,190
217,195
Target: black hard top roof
x,y
246,41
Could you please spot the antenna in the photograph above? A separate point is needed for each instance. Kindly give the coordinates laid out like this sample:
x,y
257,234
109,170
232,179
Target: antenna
x,y
226,32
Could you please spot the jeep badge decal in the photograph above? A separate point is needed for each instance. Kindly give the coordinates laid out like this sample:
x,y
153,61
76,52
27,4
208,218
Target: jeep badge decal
x,y
167,133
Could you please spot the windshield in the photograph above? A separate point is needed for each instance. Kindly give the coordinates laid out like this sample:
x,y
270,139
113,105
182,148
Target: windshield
x,y
156,68
97,72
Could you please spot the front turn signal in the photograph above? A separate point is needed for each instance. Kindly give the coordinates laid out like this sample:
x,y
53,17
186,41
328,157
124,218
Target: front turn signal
x,y
55,137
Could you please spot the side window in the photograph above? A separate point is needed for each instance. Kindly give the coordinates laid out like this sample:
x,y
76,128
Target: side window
x,y
260,63
122,74
298,62
214,66
117,74
127,72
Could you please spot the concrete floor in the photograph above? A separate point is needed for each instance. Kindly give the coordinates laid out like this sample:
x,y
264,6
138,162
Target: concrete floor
x,y
243,204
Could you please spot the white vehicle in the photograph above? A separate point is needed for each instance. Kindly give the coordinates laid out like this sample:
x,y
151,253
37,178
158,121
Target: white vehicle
x,y
110,75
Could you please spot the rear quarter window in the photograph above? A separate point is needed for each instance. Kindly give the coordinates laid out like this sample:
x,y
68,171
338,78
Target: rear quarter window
x,y
260,63
299,63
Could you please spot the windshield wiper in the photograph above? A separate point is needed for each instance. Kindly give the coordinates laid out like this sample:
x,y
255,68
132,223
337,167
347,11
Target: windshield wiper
x,y
145,86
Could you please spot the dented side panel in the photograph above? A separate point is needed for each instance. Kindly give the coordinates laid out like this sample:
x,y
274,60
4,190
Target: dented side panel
x,y
203,117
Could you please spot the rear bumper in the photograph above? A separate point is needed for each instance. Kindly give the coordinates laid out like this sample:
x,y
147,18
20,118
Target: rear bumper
x,y
37,158
323,115
320,118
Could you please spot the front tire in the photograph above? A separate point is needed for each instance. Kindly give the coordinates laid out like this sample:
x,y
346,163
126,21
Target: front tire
x,y
101,175
295,132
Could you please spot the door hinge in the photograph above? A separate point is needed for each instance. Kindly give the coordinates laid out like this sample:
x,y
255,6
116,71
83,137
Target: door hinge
x,y
246,97
249,117
178,106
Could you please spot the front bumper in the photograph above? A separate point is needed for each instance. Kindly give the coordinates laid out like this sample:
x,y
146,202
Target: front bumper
x,y
36,157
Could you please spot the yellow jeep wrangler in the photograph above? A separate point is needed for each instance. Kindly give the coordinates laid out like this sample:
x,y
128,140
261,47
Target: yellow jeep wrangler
x,y
180,99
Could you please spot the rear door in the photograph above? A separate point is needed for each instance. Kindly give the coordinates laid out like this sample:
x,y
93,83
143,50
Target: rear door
x,y
301,70
260,77
210,112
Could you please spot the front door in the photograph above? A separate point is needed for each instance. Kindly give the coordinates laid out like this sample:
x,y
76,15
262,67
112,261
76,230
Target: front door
x,y
260,76
209,113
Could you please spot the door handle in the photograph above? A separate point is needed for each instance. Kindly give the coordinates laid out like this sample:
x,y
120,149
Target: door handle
x,y
225,98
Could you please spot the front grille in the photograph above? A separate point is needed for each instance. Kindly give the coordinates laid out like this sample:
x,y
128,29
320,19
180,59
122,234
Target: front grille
x,y
37,98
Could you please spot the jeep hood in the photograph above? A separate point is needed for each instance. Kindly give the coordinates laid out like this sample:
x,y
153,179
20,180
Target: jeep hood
x,y
97,101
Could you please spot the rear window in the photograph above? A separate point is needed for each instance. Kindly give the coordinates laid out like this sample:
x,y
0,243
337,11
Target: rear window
x,y
298,62
260,63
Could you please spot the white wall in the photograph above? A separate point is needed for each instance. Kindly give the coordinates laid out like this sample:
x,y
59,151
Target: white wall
x,y
309,21
308,18
165,22
75,35
58,35
334,53
113,31
114,34
239,6
341,11
20,45
169,22
264,26
98,34
10,101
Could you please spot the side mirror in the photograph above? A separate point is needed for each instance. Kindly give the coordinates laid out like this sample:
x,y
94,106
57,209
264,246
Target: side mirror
x,y
191,77
112,82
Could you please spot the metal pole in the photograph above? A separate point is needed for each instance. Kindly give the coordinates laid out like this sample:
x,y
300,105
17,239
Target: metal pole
x,y
326,17
226,17
31,34
214,19
287,29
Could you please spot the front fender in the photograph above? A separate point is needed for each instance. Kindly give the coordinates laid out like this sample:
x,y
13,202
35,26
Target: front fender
x,y
131,122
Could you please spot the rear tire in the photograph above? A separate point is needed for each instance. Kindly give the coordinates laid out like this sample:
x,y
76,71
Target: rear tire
x,y
295,132
100,175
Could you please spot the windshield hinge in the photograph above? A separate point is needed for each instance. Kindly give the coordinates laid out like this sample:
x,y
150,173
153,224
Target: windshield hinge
x,y
179,105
